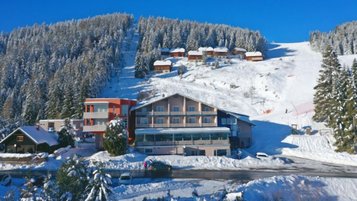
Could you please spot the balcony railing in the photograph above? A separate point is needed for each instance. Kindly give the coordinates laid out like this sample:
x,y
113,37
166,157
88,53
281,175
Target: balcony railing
x,y
95,115
95,128
143,125
177,113
193,125
209,124
209,112
160,125
193,113
173,125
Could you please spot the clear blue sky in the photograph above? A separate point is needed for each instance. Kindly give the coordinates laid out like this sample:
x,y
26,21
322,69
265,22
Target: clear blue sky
x,y
278,20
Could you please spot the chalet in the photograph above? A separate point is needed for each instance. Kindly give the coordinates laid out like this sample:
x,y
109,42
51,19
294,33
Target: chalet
x,y
220,52
206,50
30,139
254,56
239,51
178,52
162,66
178,124
195,56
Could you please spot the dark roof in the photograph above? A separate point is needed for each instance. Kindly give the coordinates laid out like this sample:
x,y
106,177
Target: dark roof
x,y
38,135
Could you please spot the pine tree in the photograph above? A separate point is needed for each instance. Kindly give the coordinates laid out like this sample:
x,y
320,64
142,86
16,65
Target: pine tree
x,y
115,139
72,178
65,136
326,86
354,76
50,190
68,105
98,188
29,191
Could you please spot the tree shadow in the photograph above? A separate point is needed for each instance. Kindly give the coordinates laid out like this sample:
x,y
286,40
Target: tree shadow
x,y
268,137
276,51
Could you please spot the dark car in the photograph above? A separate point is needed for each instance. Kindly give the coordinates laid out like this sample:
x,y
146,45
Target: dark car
x,y
159,166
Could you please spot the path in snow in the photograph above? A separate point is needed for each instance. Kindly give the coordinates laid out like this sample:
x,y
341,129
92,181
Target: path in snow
x,y
124,84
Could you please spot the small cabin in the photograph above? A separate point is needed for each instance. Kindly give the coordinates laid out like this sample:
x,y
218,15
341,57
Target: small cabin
x,y
162,66
195,56
30,139
254,56
178,52
220,52
239,51
206,50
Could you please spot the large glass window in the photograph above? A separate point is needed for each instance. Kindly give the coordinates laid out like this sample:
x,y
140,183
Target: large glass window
x,y
164,137
159,108
191,108
175,108
207,120
187,137
220,152
175,120
139,138
149,138
143,120
124,110
206,108
159,120
191,120
178,137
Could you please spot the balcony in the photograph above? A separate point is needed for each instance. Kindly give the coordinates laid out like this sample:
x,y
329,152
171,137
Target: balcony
x,y
193,113
141,113
143,125
95,115
193,125
173,125
160,125
209,112
177,113
209,124
95,128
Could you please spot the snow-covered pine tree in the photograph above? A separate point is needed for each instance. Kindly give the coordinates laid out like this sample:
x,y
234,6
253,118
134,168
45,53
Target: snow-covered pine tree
x,y
65,136
98,188
50,189
28,193
354,75
326,85
115,138
72,178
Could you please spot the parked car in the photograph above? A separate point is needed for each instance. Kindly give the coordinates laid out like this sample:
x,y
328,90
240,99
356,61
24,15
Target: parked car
x,y
159,166
261,155
125,178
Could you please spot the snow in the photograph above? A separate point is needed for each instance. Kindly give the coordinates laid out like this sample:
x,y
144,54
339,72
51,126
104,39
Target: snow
x,y
240,49
253,54
14,155
162,63
205,49
220,49
194,53
178,50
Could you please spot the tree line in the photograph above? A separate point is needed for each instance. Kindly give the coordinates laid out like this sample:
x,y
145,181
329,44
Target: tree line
x,y
157,33
343,39
46,71
335,100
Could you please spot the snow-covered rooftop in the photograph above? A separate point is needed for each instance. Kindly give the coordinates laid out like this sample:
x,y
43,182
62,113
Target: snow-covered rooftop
x,y
177,50
195,53
162,63
253,54
142,131
220,49
205,49
165,50
37,134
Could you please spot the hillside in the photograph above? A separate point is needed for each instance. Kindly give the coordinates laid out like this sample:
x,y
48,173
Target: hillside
x,y
276,93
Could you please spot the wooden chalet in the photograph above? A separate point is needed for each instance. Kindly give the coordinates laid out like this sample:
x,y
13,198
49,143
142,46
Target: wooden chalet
x,y
206,50
220,52
30,139
254,56
178,52
162,66
194,56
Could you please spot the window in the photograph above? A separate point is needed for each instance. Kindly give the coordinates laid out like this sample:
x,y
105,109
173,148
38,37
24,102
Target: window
x,y
148,151
206,108
220,152
19,138
144,109
207,120
191,108
229,121
159,120
175,109
175,120
114,112
143,120
159,108
124,110
223,121
191,120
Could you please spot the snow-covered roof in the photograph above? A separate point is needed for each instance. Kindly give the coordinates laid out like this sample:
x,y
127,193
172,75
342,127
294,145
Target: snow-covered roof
x,y
195,53
177,50
205,49
162,63
220,49
253,54
156,131
240,49
37,134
